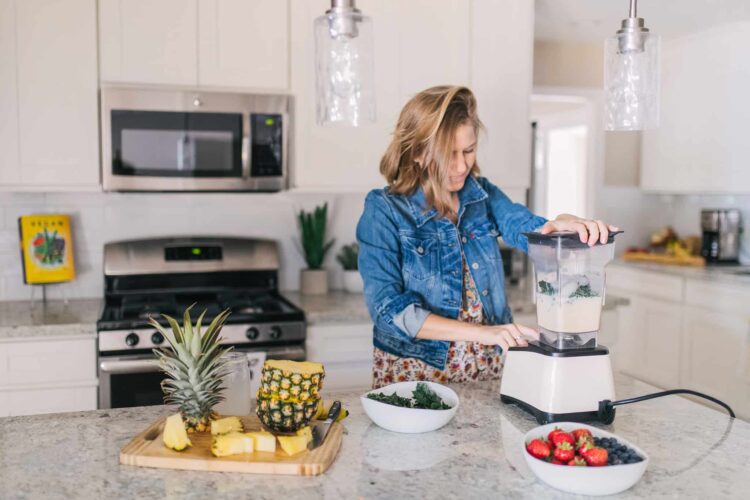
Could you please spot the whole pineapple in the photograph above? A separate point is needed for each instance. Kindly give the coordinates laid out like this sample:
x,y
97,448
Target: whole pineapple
x,y
195,367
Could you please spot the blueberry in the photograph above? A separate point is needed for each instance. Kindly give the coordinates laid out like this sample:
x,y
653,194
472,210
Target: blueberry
x,y
617,461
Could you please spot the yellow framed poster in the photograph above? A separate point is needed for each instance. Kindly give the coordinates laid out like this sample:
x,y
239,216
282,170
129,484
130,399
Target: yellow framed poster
x,y
46,248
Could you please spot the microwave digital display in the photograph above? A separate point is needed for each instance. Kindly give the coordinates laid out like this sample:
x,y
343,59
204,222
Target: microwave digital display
x,y
265,131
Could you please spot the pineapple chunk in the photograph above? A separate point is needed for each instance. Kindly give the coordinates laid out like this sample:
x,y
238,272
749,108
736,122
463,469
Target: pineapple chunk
x,y
307,432
226,425
293,444
175,436
232,443
303,367
264,441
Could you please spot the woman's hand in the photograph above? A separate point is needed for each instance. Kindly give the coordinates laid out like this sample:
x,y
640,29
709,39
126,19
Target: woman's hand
x,y
506,336
590,231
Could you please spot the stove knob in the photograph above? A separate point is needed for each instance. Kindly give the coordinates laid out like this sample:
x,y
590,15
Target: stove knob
x,y
157,338
132,339
252,333
275,332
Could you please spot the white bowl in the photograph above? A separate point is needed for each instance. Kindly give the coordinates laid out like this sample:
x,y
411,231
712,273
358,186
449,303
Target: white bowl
x,y
605,480
410,420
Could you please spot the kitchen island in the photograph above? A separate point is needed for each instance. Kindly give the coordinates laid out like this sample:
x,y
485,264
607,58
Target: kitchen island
x,y
696,452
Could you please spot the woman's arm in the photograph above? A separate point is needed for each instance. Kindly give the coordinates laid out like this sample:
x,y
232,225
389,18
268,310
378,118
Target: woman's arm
x,y
439,328
391,307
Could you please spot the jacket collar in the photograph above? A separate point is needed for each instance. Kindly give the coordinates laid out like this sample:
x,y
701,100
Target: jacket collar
x,y
472,192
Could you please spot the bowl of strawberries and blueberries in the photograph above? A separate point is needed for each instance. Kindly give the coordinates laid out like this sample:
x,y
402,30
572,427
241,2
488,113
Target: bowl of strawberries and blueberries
x,y
614,464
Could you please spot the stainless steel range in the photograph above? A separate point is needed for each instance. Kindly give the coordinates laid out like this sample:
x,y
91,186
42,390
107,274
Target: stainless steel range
x,y
144,278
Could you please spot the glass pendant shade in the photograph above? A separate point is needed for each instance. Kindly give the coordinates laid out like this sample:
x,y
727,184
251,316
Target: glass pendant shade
x,y
345,93
631,81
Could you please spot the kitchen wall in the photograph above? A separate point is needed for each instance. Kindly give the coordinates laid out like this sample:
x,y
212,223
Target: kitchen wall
x,y
103,217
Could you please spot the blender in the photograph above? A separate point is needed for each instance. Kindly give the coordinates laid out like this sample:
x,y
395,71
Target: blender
x,y
565,374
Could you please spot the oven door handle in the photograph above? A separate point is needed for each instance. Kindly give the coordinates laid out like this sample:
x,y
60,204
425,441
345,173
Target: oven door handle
x,y
130,366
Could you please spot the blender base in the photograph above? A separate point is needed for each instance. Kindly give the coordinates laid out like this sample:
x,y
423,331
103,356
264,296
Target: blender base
x,y
543,417
554,385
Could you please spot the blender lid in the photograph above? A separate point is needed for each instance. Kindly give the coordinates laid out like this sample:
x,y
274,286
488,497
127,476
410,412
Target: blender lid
x,y
564,239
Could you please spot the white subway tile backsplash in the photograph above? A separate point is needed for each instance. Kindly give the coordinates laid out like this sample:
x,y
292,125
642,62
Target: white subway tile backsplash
x,y
101,217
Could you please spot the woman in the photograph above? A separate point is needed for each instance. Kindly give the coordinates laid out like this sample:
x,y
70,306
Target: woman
x,y
429,256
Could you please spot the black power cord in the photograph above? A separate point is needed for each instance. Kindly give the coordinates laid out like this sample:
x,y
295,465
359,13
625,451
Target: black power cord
x,y
606,411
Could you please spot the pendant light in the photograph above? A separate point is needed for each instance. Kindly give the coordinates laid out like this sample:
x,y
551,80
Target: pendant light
x,y
345,93
631,76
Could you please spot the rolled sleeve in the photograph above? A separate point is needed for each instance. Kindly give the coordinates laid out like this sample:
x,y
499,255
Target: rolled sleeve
x,y
391,307
513,219
411,319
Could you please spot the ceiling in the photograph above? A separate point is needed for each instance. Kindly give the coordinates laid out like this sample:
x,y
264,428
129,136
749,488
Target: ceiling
x,y
594,20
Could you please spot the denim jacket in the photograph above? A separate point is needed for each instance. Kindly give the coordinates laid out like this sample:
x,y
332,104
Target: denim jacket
x,y
411,262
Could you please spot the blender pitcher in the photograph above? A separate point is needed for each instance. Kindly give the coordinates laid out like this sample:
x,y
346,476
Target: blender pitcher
x,y
569,284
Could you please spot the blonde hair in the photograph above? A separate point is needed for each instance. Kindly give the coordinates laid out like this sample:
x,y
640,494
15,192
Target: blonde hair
x,y
427,125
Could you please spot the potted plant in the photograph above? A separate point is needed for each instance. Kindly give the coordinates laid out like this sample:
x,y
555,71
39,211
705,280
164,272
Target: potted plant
x,y
347,257
312,225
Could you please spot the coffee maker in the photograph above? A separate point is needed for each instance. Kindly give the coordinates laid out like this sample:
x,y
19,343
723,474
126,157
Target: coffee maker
x,y
721,235
565,374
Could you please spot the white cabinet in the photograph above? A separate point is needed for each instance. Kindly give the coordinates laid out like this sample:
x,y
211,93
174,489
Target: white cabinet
x,y
346,352
501,77
209,43
142,41
9,171
243,43
717,342
47,374
685,333
717,357
650,328
49,129
701,144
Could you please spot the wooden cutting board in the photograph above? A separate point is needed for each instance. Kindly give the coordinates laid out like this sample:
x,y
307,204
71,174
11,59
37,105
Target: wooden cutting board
x,y
148,450
688,260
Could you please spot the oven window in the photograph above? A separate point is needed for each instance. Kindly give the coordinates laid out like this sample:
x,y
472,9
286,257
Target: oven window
x,y
136,389
176,144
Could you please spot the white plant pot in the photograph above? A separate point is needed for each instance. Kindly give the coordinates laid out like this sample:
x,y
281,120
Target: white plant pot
x,y
313,281
353,282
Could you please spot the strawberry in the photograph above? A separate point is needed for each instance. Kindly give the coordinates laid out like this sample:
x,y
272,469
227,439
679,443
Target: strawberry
x,y
583,444
579,433
553,432
596,457
578,461
557,462
538,448
564,452
562,437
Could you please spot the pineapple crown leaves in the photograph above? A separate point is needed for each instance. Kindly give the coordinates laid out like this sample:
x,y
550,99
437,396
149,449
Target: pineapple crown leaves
x,y
194,367
312,227
347,257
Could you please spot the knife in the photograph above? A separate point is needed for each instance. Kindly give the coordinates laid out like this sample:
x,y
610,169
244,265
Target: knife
x,y
320,429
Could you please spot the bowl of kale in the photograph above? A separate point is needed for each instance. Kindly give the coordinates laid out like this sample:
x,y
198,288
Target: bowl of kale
x,y
411,407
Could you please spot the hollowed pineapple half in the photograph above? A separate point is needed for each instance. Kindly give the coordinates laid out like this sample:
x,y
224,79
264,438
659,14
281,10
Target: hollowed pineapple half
x,y
289,394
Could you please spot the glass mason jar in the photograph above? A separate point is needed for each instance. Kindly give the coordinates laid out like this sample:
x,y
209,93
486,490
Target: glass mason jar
x,y
237,393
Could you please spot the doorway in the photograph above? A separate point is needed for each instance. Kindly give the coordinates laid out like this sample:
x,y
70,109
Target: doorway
x,y
562,155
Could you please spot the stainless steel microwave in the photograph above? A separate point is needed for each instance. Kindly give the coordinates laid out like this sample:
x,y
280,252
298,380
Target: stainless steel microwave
x,y
182,140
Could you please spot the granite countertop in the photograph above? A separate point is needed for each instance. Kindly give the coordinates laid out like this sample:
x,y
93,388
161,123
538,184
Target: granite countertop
x,y
334,307
733,275
696,452
56,318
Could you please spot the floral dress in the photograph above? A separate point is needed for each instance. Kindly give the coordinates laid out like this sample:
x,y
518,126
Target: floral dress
x,y
466,360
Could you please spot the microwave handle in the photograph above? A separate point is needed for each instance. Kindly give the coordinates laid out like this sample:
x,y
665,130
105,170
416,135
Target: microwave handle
x,y
130,366
246,153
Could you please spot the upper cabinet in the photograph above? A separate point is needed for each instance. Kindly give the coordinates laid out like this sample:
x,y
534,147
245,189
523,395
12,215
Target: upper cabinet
x,y
701,144
212,43
142,41
48,129
501,76
243,43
